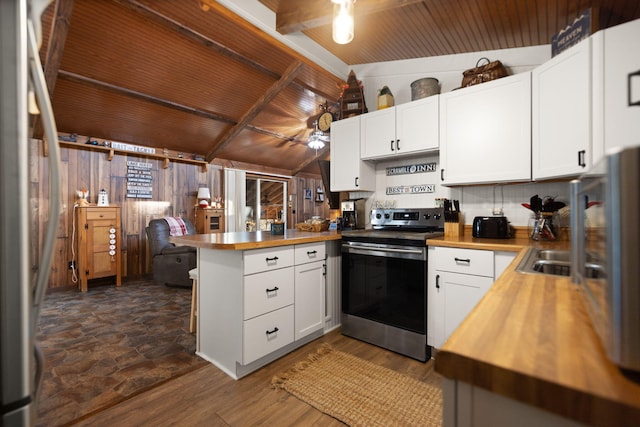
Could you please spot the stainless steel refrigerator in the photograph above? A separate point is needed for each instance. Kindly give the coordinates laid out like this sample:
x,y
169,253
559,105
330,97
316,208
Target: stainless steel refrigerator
x,y
21,285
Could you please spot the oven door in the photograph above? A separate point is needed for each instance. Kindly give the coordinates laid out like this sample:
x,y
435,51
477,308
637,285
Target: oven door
x,y
385,283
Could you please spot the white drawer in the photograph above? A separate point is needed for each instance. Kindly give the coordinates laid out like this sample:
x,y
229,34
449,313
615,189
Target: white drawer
x,y
268,291
465,261
267,333
257,260
309,252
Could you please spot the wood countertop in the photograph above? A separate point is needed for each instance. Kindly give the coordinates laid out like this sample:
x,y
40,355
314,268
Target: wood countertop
x,y
253,240
531,339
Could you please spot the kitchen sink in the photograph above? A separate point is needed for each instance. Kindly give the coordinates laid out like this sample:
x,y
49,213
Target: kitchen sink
x,y
555,262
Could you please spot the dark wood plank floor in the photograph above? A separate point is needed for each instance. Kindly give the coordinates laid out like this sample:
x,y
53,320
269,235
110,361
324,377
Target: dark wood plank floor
x,y
209,397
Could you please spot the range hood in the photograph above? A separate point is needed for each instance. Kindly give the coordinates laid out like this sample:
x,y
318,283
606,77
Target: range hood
x,y
333,198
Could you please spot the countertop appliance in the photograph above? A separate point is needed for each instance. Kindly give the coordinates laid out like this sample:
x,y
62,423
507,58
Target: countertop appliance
x,y
605,250
22,289
384,279
491,227
353,214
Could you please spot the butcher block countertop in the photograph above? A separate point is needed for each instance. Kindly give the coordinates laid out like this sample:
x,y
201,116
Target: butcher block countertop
x,y
531,339
253,239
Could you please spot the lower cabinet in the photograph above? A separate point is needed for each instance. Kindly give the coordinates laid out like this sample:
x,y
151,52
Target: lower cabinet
x,y
309,298
257,305
457,281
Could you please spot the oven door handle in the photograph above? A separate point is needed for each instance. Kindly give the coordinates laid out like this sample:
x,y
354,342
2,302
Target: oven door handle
x,y
377,249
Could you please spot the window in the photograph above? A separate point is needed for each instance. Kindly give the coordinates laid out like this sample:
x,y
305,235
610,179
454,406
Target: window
x,y
265,202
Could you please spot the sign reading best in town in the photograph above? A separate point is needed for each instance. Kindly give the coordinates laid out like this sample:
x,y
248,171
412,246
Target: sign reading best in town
x,y
407,170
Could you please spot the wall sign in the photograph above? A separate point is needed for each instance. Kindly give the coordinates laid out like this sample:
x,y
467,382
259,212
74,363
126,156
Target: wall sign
x,y
412,189
139,180
581,28
131,147
410,169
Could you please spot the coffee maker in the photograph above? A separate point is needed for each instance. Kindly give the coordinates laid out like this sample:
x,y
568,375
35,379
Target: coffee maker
x,y
353,214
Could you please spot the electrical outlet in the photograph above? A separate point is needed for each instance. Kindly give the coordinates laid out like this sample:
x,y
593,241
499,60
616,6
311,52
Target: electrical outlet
x,y
72,265
497,211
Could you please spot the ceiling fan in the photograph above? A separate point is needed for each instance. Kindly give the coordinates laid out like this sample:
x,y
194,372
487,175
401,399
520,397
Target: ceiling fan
x,y
318,139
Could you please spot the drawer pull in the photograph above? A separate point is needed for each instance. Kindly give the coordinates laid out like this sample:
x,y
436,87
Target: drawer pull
x,y
275,289
275,258
273,332
311,252
468,261
438,281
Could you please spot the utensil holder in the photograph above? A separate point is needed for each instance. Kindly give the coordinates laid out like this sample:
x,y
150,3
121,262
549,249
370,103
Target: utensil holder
x,y
454,229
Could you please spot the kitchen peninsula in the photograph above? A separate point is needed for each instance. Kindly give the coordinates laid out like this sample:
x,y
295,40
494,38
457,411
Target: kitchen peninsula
x,y
262,295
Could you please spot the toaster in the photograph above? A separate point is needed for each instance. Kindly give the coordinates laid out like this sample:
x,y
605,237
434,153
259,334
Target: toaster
x,y
491,227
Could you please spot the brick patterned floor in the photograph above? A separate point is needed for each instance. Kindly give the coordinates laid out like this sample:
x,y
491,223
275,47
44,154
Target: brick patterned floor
x,y
106,345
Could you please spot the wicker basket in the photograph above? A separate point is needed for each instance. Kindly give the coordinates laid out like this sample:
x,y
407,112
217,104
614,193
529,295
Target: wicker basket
x,y
317,227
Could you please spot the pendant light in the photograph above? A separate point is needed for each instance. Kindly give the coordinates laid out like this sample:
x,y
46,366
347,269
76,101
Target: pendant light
x,y
343,21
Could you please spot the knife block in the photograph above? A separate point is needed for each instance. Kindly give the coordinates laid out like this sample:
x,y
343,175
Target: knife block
x,y
454,229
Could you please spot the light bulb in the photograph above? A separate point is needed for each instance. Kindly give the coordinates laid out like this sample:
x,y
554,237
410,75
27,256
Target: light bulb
x,y
343,26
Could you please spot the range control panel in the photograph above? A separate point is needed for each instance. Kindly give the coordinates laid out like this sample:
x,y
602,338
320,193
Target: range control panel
x,y
417,218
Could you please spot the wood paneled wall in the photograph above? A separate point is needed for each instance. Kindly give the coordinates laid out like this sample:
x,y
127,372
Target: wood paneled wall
x,y
174,194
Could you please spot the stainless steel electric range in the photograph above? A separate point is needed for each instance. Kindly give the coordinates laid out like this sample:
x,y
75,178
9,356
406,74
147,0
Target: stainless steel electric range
x,y
384,279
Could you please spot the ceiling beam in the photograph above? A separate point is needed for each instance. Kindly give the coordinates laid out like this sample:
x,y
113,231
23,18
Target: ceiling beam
x,y
291,17
53,56
57,40
291,72
319,154
77,78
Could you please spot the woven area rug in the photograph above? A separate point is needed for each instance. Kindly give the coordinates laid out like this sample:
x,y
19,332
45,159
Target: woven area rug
x,y
360,393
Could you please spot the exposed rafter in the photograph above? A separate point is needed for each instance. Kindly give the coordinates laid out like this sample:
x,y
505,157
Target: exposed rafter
x,y
288,76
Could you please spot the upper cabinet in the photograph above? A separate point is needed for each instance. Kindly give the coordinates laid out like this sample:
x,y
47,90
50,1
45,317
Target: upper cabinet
x,y
616,96
409,128
561,114
485,132
348,171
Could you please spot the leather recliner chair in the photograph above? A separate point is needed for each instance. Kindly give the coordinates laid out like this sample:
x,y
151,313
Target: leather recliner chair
x,y
171,263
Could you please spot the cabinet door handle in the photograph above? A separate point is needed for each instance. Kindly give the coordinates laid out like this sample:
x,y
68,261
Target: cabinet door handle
x,y
632,102
275,258
392,149
437,281
274,289
311,252
441,174
273,331
398,144
356,181
468,261
581,155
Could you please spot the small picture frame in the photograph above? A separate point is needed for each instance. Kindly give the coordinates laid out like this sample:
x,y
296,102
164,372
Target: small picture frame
x,y
320,197
319,190
307,193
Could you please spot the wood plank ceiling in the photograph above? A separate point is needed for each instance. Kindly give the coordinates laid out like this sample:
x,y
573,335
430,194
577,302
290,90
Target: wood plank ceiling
x,y
193,77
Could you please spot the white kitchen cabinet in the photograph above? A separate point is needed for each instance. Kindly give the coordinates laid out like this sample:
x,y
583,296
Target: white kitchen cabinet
x,y
616,97
406,129
257,305
309,288
485,132
348,171
457,281
561,114
309,298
